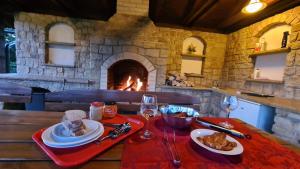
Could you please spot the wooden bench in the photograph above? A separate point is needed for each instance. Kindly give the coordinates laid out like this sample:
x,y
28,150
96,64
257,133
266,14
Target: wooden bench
x,y
14,93
127,101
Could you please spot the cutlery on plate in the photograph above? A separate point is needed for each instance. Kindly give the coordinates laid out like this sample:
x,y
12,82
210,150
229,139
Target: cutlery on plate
x,y
222,129
174,154
122,129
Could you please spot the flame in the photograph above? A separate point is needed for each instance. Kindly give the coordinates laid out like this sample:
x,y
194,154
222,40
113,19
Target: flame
x,y
139,84
128,83
131,85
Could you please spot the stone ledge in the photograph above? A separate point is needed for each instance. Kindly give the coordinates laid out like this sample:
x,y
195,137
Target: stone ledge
x,y
292,105
185,88
13,76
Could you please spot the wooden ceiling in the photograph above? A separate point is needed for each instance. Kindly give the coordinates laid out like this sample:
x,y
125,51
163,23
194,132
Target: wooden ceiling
x,y
223,16
87,9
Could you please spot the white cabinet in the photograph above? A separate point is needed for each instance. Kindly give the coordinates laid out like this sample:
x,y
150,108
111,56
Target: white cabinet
x,y
258,115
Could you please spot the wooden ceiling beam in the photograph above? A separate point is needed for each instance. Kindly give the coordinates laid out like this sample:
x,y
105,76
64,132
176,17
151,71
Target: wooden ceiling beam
x,y
192,16
191,28
157,7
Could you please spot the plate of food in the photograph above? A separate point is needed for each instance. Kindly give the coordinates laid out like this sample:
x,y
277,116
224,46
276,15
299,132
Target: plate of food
x,y
217,142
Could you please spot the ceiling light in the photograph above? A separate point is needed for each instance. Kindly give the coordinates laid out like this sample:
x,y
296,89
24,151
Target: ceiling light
x,y
254,6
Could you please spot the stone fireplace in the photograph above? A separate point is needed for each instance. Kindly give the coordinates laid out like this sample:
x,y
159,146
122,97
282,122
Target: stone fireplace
x,y
116,70
127,75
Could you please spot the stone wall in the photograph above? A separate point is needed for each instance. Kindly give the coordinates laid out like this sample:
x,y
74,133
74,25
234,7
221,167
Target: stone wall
x,y
214,53
96,41
287,126
238,67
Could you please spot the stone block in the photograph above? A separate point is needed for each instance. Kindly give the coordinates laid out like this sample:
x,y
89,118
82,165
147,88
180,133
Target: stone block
x,y
125,42
290,59
141,51
293,37
289,71
284,123
152,52
97,40
295,117
110,41
295,45
60,70
105,49
94,48
133,49
117,49
164,53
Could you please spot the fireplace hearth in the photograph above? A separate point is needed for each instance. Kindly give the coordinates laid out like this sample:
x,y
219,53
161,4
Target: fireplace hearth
x,y
128,75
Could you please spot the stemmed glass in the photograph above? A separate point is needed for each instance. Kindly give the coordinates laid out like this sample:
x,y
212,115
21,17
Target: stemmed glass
x,y
148,110
228,104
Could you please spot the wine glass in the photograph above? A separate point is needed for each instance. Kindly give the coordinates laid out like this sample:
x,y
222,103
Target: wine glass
x,y
228,104
148,110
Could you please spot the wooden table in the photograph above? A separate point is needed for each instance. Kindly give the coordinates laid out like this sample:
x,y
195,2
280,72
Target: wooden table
x,y
17,149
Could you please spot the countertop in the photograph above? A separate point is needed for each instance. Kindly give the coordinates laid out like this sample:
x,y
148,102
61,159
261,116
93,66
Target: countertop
x,y
278,102
283,103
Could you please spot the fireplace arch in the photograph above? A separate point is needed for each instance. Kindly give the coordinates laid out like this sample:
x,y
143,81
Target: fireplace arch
x,y
151,80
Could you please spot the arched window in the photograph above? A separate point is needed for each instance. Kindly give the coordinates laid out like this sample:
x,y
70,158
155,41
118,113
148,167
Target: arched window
x,y
60,45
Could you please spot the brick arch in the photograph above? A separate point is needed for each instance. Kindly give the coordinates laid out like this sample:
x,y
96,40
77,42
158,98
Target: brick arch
x,y
131,56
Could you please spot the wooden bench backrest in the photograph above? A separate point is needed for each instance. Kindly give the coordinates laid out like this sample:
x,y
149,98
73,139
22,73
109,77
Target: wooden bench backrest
x,y
14,93
127,100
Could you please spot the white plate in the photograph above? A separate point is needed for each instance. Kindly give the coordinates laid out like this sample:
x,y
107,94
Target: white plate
x,y
75,145
203,132
59,135
49,141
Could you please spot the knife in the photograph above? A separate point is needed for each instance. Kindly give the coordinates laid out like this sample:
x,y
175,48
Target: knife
x,y
222,129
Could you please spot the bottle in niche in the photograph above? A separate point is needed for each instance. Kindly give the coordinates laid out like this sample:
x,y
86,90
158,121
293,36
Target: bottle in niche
x,y
262,44
284,39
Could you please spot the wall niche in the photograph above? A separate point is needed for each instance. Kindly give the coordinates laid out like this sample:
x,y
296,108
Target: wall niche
x,y
60,46
193,51
270,54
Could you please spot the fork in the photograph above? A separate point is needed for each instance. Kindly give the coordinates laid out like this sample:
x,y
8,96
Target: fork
x,y
175,156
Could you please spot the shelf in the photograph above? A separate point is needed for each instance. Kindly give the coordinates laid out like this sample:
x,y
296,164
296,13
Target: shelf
x,y
268,52
57,65
59,43
265,81
193,75
192,56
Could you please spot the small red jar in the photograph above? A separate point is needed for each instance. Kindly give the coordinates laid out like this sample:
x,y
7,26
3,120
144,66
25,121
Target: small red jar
x,y
110,109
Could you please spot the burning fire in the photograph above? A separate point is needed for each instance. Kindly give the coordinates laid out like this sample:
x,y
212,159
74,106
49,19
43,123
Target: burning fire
x,y
139,85
133,85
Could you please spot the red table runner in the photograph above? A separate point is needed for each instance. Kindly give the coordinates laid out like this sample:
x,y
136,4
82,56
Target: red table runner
x,y
259,152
